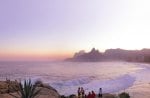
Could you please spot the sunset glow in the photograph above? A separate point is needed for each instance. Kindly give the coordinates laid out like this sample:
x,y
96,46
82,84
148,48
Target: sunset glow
x,y
54,29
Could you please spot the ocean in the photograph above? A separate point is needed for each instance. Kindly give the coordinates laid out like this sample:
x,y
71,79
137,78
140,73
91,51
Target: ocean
x,y
66,77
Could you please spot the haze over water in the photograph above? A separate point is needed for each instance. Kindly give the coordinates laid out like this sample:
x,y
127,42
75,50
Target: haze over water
x,y
66,77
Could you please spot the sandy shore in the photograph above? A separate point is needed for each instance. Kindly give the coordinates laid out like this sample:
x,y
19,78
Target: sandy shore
x,y
139,91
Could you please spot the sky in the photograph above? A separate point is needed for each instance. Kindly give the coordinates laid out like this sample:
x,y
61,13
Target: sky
x,y
56,29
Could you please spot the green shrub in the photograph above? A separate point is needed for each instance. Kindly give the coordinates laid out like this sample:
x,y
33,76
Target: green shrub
x,y
124,95
72,96
63,96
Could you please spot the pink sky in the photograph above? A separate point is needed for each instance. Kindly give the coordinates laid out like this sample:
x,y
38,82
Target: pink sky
x,y
55,29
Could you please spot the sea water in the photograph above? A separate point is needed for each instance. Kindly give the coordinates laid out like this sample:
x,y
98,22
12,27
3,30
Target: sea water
x,y
66,77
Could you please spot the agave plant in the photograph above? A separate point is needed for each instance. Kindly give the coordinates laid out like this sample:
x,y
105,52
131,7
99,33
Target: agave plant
x,y
27,90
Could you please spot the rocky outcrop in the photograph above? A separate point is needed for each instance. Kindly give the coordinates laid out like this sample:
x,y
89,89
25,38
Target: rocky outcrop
x,y
109,96
7,88
92,56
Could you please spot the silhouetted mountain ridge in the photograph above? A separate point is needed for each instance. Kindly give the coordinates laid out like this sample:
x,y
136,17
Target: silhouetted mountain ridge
x,y
112,54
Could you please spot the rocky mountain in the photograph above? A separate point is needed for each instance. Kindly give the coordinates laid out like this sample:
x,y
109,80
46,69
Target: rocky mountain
x,y
112,54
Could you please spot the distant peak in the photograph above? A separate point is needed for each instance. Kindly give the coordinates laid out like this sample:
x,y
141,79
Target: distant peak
x,y
93,49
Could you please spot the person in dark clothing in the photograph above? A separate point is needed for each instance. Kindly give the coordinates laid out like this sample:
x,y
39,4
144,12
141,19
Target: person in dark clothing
x,y
85,96
79,92
82,92
100,93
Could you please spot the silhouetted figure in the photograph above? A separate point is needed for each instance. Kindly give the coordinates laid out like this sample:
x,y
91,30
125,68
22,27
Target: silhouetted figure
x,y
100,93
79,92
89,95
93,94
85,96
82,92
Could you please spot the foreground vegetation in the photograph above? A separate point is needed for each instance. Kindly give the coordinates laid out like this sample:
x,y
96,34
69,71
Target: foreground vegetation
x,y
124,95
26,90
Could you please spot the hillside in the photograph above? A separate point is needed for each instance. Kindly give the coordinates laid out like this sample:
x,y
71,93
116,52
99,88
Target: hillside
x,y
112,54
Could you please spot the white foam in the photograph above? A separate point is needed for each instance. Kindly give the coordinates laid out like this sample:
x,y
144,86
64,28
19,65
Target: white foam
x,y
108,86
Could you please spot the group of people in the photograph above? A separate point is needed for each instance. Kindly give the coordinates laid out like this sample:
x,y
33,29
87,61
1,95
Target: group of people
x,y
81,93
91,95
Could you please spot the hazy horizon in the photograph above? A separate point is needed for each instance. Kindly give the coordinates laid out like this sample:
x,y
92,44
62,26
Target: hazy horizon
x,y
55,30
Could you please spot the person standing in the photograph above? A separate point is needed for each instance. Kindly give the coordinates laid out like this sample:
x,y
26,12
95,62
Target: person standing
x,y
93,94
89,95
82,92
100,93
79,92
